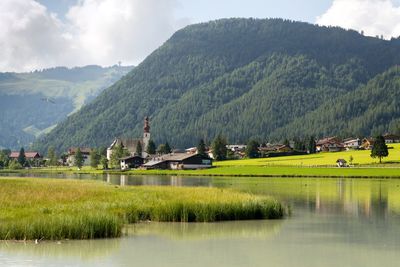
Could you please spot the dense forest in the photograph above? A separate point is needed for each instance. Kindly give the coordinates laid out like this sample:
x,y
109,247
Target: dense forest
x,y
32,103
247,78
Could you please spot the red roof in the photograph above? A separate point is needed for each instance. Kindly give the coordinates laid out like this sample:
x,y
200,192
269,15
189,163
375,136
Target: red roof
x,y
28,155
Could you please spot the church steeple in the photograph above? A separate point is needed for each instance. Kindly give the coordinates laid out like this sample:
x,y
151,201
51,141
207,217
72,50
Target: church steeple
x,y
146,136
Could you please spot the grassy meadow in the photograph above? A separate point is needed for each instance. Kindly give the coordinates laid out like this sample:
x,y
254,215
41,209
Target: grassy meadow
x,y
71,209
360,157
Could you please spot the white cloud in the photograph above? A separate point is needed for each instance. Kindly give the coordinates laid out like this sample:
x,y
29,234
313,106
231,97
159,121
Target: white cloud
x,y
374,17
94,32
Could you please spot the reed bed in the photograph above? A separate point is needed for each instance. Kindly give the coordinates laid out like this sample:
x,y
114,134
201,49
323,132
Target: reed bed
x,y
69,209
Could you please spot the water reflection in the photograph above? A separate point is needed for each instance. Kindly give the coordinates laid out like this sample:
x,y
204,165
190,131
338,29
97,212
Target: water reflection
x,y
206,231
335,222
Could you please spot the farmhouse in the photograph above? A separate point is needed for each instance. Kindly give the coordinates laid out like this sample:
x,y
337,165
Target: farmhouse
x,y
179,161
132,144
391,138
330,144
352,143
131,162
85,154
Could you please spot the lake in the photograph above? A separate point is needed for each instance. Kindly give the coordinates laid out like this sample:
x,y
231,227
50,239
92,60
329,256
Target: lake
x,y
334,222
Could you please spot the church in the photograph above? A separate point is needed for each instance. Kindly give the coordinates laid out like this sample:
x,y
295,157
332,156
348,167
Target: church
x,y
132,144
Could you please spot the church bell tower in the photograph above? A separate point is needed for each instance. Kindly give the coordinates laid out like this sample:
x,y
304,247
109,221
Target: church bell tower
x,y
146,135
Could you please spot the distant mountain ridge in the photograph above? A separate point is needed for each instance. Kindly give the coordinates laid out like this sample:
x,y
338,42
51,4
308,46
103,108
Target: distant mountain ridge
x,y
33,103
246,78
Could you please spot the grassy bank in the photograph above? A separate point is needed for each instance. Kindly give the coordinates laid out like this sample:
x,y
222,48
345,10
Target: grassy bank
x,y
59,209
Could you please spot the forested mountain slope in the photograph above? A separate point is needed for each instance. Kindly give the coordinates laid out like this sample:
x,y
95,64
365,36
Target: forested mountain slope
x,y
243,78
32,103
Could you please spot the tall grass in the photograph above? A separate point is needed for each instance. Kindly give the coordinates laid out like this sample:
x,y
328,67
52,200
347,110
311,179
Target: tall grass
x,y
58,209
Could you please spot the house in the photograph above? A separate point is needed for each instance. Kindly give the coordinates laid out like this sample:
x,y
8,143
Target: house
x,y
85,154
330,144
179,161
131,162
391,138
236,148
132,144
341,163
367,143
352,143
29,155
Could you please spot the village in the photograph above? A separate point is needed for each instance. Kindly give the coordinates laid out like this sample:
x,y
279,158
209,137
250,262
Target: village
x,y
141,153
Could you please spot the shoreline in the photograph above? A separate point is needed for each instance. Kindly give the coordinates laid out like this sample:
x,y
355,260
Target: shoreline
x,y
237,171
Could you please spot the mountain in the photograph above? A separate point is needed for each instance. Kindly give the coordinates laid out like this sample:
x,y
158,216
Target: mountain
x,y
33,103
246,78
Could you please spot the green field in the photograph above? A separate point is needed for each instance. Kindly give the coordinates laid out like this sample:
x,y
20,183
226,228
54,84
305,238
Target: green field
x,y
360,157
57,209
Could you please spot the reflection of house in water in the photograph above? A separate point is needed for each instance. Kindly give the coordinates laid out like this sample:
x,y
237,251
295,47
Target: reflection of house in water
x,y
350,197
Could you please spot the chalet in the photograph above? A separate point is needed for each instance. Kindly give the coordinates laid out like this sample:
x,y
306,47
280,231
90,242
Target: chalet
x,y
330,144
391,138
352,143
131,162
236,148
85,154
28,155
341,163
181,161
367,143
132,144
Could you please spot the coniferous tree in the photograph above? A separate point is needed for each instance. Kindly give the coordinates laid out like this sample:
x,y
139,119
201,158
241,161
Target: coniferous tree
x,y
78,162
252,149
104,162
167,148
94,158
151,148
21,157
219,149
4,159
51,154
201,148
139,149
380,149
312,145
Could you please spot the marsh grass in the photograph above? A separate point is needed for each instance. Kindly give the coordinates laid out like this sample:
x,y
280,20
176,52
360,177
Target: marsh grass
x,y
59,209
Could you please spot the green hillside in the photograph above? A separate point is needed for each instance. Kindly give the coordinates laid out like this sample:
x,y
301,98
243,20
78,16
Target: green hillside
x,y
33,103
267,79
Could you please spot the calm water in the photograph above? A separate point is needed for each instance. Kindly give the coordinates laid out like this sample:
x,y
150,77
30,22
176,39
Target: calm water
x,y
335,222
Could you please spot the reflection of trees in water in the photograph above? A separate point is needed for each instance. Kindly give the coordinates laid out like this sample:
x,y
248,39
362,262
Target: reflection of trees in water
x,y
204,231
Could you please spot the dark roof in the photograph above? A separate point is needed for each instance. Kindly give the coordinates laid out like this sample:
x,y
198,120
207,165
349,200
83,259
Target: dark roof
x,y
84,150
328,140
130,157
391,136
169,157
341,160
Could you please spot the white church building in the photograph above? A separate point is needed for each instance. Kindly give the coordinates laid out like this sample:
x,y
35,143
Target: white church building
x,y
132,144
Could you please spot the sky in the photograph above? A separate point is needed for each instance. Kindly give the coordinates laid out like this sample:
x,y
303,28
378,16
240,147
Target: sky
x,y
37,34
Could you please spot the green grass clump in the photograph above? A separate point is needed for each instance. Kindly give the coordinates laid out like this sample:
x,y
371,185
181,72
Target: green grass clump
x,y
58,209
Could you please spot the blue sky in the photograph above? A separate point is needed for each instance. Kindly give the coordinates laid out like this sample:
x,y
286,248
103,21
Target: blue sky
x,y
37,34
205,10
